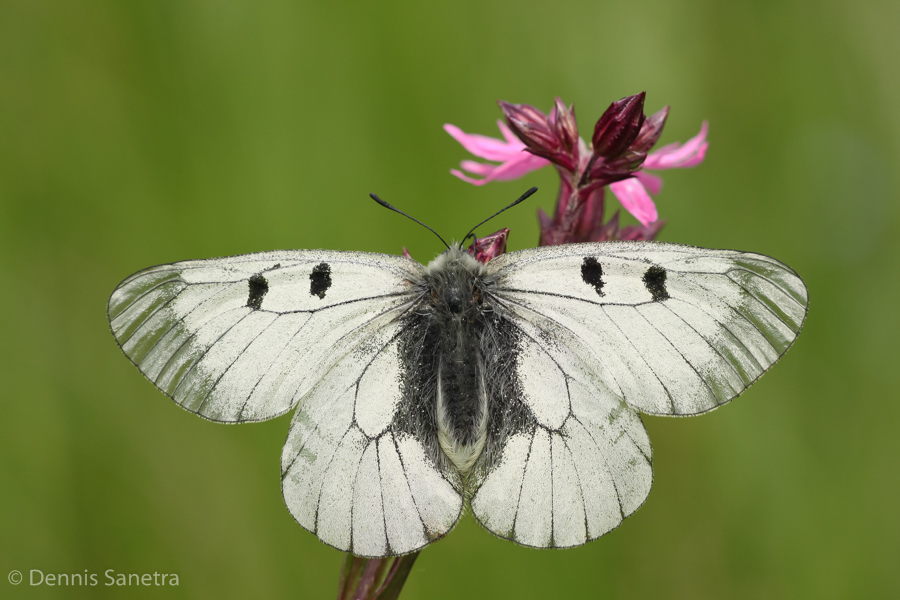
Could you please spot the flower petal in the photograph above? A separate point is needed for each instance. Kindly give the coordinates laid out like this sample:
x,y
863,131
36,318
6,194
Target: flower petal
x,y
477,168
483,146
508,135
651,130
522,164
528,163
468,179
652,183
689,154
634,199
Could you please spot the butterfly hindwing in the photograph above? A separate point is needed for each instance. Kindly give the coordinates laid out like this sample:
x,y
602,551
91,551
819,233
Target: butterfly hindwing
x,y
243,338
604,331
582,465
350,474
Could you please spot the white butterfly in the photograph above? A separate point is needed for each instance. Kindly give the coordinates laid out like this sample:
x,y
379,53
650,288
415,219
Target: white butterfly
x,y
514,386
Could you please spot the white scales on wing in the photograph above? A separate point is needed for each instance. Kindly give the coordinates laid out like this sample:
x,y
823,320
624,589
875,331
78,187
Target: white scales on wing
x,y
724,319
191,329
533,366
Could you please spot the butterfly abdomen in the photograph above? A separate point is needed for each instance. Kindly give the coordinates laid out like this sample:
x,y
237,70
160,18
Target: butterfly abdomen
x,y
457,315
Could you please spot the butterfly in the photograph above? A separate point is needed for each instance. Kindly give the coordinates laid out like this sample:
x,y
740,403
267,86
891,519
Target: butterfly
x,y
512,387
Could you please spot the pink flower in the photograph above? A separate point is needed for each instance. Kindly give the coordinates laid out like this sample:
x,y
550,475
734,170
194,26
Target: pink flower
x,y
617,157
633,192
516,162
673,156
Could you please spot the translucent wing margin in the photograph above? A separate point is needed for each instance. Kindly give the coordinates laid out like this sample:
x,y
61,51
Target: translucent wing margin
x,y
243,338
672,329
350,476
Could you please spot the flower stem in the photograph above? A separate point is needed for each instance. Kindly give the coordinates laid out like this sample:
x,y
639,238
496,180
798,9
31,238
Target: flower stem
x,y
370,578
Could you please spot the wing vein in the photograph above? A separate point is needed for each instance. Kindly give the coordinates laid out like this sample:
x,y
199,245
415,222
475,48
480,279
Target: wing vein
x,y
726,328
188,338
346,302
606,466
231,364
353,491
337,397
208,348
506,301
324,473
151,315
703,337
764,305
683,357
744,317
644,359
387,537
578,481
522,482
552,505
404,308
406,479
772,282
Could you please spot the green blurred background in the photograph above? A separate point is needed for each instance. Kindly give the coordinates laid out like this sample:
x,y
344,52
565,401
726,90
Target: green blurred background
x,y
134,133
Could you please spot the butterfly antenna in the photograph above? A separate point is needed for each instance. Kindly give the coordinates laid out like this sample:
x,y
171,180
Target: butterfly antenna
x,y
522,198
397,210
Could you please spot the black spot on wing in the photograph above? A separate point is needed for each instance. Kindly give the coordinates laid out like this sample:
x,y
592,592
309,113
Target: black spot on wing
x,y
258,288
655,282
320,280
592,273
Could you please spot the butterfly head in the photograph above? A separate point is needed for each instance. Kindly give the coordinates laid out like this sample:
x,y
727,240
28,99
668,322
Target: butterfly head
x,y
455,280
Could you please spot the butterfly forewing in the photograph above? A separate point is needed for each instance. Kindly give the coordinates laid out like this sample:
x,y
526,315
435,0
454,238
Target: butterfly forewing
x,y
671,329
243,338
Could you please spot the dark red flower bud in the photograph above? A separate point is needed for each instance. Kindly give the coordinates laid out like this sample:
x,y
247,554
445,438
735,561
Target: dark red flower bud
x,y
530,125
491,246
566,128
618,168
619,126
544,136
651,130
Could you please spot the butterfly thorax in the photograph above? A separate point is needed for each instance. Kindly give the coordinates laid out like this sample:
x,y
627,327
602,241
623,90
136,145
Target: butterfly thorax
x,y
456,312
